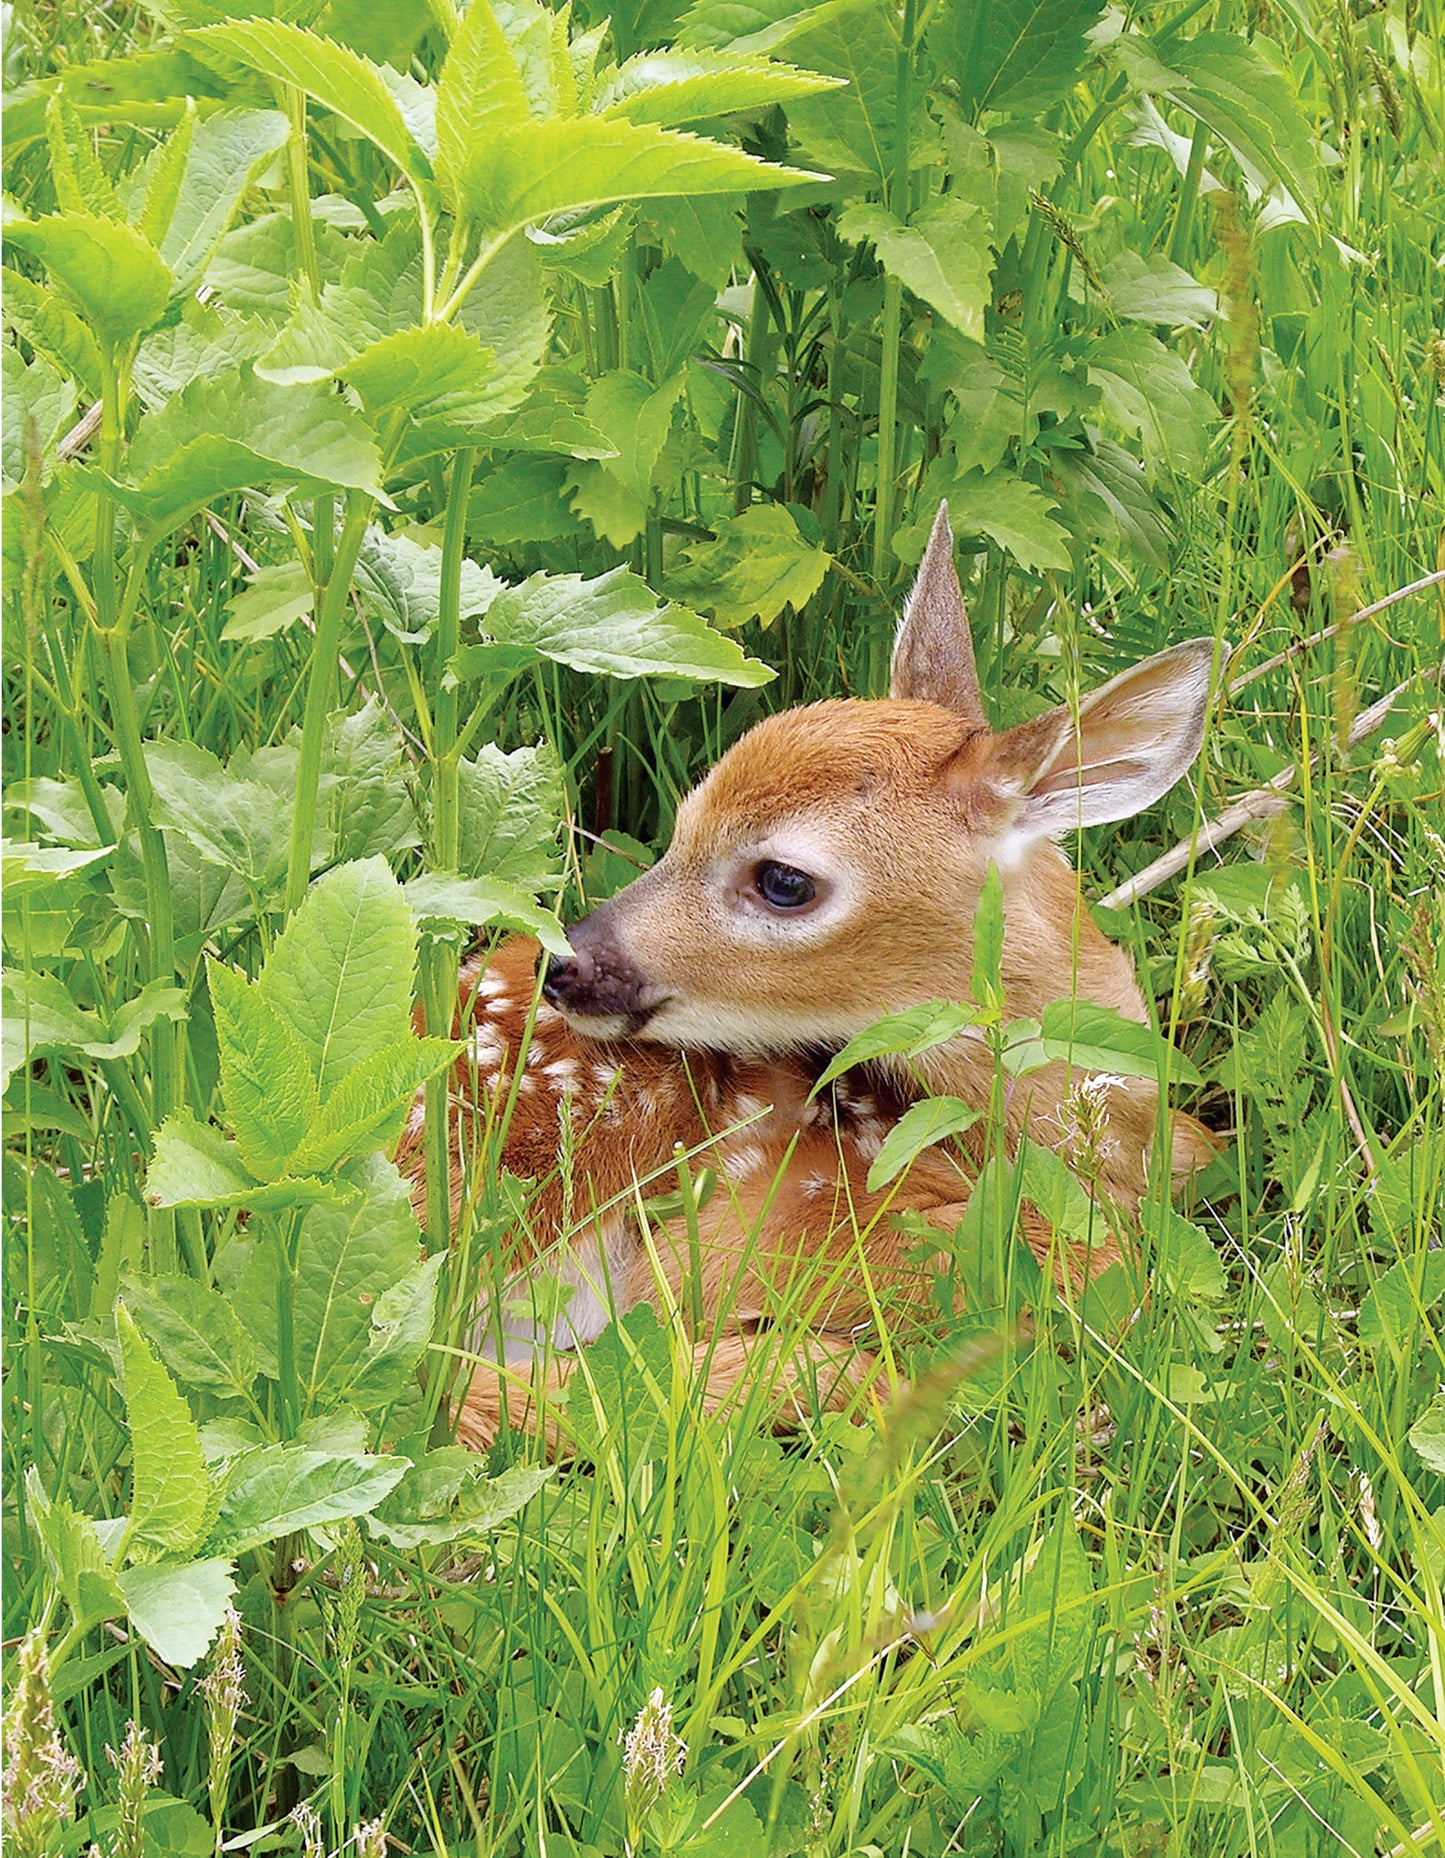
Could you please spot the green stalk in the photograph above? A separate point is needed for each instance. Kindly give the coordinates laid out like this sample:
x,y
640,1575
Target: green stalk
x,y
742,464
320,690
298,187
440,979
1188,194
899,203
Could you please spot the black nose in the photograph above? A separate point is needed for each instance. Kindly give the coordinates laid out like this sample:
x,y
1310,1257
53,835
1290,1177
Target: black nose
x,y
558,977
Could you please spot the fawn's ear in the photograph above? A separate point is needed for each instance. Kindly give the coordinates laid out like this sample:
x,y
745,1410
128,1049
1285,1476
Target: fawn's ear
x,y
933,654
1133,739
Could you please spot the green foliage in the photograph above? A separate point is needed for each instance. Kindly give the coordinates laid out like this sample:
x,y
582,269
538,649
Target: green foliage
x,y
488,402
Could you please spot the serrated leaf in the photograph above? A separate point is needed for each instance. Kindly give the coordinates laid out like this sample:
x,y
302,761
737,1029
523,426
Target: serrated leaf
x,y
183,456
194,1165
347,1259
53,330
1097,1038
76,1556
1397,1304
509,809
919,1127
366,1110
1150,393
437,371
365,790
115,278
226,151
274,598
401,1328
1006,509
346,83
758,564
1019,55
40,1016
1239,88
857,127
266,1081
178,1608
1183,1255
1150,288
684,85
81,183
447,1497
635,416
943,255
476,902
236,823
400,584
1107,499
340,974
37,400
194,1330
479,92
622,1386
170,1486
531,170
280,1489
614,626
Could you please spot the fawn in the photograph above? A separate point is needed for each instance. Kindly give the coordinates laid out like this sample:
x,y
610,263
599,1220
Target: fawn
x,y
824,873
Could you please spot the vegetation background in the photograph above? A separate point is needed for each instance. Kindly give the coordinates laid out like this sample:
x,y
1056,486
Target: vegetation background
x,y
423,427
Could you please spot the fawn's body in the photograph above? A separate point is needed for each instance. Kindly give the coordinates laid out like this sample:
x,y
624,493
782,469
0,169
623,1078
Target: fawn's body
x,y
825,873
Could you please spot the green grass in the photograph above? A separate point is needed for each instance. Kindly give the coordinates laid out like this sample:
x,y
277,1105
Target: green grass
x,y
1158,1575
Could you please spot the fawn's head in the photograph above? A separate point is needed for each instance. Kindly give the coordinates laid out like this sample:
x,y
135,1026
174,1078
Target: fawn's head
x,y
828,869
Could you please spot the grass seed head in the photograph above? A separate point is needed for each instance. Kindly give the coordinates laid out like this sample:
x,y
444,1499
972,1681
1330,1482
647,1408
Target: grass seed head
x,y
41,1777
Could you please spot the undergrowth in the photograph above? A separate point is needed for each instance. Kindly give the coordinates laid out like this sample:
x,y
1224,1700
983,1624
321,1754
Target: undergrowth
x,y
348,459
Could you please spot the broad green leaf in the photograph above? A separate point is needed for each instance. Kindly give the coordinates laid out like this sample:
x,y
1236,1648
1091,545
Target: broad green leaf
x,y
400,584
1050,1185
943,255
266,1080
683,86
1057,1608
225,154
184,456
522,500
1019,55
366,790
439,897
279,1490
635,416
919,1127
40,1016
347,1259
153,189
1239,89
1150,393
401,1330
447,1497
194,1330
366,1110
116,279
1398,1305
615,510
76,1556
81,183
274,598
171,1492
988,928
178,1608
438,371
1006,509
1149,288
53,330
206,342
479,92
1427,1434
510,805
758,564
1183,1255
194,1165
345,82
528,171
614,626
1107,500
907,1034
622,1387
857,127
340,974
1097,1038
236,823
37,401
252,266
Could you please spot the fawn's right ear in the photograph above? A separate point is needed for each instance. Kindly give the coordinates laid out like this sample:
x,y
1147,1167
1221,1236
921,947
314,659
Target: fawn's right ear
x,y
1131,741
933,654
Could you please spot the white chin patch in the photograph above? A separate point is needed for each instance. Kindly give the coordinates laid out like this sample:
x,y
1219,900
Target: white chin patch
x,y
610,1026
749,1031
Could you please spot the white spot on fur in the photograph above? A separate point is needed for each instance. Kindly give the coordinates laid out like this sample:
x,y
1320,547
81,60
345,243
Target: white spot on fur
x,y
565,1072
868,1139
606,1074
489,985
488,1047
743,1162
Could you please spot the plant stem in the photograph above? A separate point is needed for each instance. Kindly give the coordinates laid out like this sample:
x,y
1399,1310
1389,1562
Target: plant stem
x,y
1188,194
298,188
440,979
325,650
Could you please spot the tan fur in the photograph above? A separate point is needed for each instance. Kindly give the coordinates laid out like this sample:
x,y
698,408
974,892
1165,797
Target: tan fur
x,y
721,1004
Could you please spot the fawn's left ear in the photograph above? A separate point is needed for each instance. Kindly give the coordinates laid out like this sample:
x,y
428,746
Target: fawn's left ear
x,y
933,654
1132,740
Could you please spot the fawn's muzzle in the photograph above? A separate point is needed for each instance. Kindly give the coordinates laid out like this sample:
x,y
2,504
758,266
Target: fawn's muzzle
x,y
599,983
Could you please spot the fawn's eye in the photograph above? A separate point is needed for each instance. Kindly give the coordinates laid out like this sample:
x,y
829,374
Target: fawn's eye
x,y
783,886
